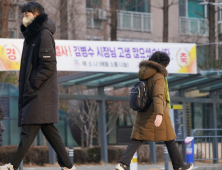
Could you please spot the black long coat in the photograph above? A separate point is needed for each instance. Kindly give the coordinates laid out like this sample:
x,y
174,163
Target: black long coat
x,y
38,82
2,113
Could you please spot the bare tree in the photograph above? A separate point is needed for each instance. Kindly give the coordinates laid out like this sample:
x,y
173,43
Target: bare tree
x,y
113,24
63,20
165,20
84,113
165,7
113,111
212,38
207,52
4,8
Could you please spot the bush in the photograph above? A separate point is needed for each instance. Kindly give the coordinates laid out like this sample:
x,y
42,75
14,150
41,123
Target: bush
x,y
80,156
38,155
94,154
144,153
114,154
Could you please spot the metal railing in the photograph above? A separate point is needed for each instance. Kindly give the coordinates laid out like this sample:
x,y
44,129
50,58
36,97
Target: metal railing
x,y
126,20
220,27
207,144
194,26
134,21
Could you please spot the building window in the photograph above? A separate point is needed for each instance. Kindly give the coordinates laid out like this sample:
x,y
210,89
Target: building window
x,y
192,9
93,3
93,20
132,15
193,18
134,5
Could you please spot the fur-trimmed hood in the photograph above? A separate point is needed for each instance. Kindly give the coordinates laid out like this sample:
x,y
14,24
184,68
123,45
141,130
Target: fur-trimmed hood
x,y
149,68
39,23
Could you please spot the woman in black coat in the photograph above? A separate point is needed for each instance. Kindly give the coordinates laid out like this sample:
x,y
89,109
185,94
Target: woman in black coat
x,y
38,86
1,117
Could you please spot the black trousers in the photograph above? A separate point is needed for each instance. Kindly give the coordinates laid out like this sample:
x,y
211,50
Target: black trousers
x,y
173,150
51,133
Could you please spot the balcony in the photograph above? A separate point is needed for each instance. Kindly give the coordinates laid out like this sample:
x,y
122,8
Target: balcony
x,y
134,21
126,20
194,26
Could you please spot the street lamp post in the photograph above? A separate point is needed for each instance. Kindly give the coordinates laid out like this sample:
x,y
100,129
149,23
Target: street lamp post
x,y
219,5
209,3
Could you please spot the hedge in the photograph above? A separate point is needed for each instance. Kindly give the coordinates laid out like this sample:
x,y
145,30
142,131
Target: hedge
x,y
38,155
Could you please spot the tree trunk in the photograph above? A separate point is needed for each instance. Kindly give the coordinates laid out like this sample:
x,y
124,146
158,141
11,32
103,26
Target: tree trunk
x,y
4,6
91,137
98,140
87,139
113,31
212,38
165,20
82,138
63,20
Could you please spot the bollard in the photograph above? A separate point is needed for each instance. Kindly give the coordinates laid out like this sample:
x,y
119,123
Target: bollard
x,y
152,152
166,158
21,166
189,149
133,164
71,154
52,155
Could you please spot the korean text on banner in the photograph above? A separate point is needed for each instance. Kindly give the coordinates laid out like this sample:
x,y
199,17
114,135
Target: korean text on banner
x,y
105,56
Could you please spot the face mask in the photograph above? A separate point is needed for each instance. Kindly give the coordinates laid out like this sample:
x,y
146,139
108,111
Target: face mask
x,y
27,20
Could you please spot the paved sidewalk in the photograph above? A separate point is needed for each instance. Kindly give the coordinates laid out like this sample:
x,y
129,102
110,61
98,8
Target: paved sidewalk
x,y
140,167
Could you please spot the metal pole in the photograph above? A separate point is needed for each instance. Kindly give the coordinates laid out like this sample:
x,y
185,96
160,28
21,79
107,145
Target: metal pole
x,y
166,158
152,152
102,127
214,126
21,166
52,155
181,94
184,155
71,154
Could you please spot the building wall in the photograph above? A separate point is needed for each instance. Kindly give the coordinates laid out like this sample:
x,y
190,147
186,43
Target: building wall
x,y
77,23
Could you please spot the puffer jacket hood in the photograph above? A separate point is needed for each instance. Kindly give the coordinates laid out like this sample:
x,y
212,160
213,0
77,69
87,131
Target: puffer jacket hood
x,y
149,68
39,23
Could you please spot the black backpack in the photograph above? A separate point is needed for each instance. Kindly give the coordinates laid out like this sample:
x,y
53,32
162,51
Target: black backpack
x,y
139,97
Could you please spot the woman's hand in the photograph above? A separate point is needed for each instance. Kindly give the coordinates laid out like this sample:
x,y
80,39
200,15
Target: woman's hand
x,y
158,120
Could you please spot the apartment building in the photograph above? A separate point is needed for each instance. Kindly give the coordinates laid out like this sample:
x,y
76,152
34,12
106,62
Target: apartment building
x,y
137,20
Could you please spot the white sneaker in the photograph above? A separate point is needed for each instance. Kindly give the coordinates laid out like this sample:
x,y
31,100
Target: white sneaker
x,y
64,168
7,167
121,166
188,166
